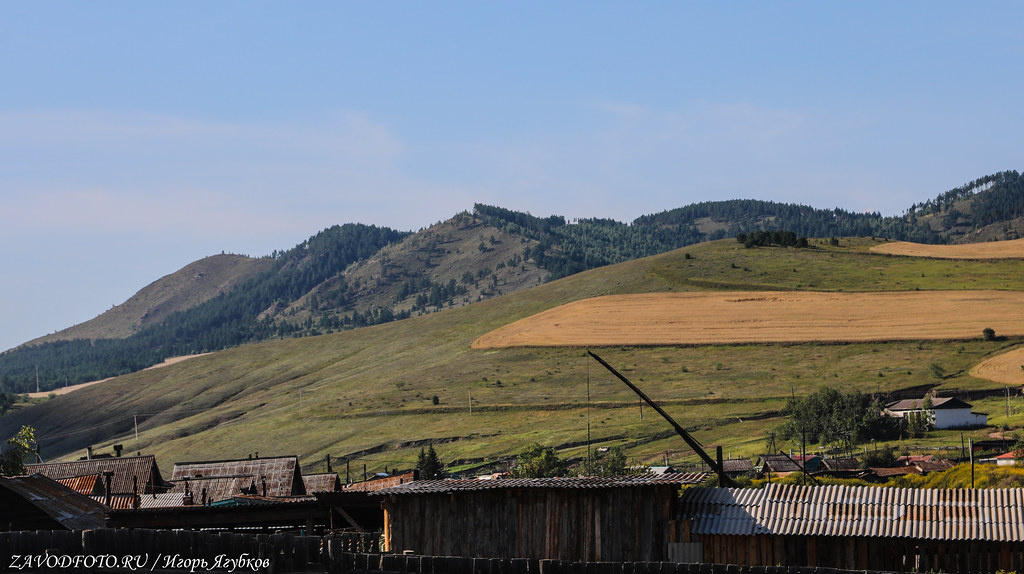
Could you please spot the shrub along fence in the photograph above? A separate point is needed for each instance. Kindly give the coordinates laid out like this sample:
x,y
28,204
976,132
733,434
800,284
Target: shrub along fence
x,y
166,551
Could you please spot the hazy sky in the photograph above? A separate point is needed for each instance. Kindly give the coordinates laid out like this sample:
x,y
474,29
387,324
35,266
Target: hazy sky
x,y
137,137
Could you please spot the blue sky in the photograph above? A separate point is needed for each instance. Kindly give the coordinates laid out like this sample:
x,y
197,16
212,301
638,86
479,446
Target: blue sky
x,y
137,137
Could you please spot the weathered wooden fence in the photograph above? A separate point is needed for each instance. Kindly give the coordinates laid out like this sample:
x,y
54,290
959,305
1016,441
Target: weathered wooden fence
x,y
180,551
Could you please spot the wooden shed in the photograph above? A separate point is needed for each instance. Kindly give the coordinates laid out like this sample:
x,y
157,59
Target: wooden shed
x,y
857,527
39,503
621,519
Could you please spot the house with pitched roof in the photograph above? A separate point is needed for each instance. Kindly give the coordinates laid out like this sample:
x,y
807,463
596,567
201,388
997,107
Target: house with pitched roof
x,y
128,475
212,481
946,412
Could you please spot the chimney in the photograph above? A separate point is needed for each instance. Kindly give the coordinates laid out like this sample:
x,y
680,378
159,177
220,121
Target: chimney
x,y
329,463
107,476
117,450
88,453
135,490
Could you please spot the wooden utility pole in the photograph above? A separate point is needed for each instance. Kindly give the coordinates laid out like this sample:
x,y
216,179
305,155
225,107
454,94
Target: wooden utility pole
x,y
692,442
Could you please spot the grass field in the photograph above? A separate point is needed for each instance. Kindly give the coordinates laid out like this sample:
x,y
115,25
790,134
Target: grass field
x,y
1006,368
765,317
1013,249
366,395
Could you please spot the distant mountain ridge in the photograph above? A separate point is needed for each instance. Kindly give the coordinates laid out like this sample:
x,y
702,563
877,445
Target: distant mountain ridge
x,y
355,275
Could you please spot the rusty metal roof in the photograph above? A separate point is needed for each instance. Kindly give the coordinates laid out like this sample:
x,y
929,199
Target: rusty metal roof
x,y
862,511
72,510
226,478
88,484
381,483
466,485
125,470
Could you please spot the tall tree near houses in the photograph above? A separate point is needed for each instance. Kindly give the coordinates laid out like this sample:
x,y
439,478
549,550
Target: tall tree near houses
x,y
429,464
19,447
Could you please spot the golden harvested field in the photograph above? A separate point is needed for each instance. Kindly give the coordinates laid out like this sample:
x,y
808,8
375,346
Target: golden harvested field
x,y
1013,249
765,317
1007,368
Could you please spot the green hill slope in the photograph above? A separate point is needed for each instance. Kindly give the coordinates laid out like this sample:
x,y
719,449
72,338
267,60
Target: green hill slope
x,y
352,276
367,394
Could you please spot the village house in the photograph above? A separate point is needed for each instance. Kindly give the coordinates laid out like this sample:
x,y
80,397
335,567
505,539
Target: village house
x,y
116,481
946,412
321,482
212,481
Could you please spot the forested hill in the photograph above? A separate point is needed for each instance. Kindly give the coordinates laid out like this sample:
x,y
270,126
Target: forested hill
x,y
956,215
355,275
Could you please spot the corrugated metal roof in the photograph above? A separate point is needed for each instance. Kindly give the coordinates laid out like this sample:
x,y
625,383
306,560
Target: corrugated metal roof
x,y
226,478
462,485
88,484
793,510
72,510
125,470
162,500
937,403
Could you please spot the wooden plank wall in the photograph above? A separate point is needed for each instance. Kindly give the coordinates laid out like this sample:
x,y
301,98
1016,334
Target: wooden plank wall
x,y
886,554
287,554
618,524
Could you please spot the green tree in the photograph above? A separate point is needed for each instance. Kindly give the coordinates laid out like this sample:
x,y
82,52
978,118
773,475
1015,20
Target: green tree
x,y
429,464
6,402
536,461
609,463
829,415
12,461
885,458
1018,451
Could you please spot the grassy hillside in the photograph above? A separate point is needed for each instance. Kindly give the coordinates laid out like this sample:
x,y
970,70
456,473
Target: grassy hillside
x,y
353,275
366,394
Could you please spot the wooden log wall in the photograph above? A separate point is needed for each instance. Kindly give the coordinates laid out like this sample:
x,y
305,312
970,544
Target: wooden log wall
x,y
885,554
